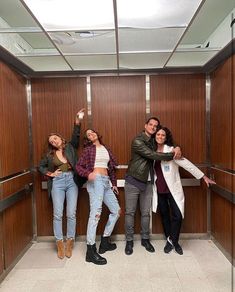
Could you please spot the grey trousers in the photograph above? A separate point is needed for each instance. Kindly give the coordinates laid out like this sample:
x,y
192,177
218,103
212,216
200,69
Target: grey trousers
x,y
132,194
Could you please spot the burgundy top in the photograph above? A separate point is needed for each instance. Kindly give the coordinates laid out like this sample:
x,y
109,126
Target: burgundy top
x,y
162,187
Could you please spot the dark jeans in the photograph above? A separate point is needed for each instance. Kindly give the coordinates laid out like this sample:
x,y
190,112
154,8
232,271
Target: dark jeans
x,y
171,216
132,195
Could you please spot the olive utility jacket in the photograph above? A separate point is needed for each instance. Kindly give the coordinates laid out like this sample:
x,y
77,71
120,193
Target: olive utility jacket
x,y
142,155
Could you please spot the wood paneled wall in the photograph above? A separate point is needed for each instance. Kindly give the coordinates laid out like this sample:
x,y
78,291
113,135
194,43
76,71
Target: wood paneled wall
x,y
14,129
179,102
15,234
118,113
118,122
55,102
222,153
221,116
222,225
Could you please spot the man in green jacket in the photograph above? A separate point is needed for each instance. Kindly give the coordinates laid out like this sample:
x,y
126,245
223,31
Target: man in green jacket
x,y
138,183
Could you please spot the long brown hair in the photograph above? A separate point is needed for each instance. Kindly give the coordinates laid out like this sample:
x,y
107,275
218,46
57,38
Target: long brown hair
x,y
87,142
50,149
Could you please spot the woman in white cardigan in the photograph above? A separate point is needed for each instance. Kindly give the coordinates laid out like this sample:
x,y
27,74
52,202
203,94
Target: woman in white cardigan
x,y
168,193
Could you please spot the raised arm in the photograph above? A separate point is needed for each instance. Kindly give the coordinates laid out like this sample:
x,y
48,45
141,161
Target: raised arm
x,y
76,129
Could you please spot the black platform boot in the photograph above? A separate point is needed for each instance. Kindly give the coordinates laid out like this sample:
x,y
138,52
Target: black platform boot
x,y
106,244
93,256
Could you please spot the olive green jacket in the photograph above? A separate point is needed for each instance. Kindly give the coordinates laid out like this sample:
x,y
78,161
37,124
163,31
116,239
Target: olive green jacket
x,y
70,151
142,155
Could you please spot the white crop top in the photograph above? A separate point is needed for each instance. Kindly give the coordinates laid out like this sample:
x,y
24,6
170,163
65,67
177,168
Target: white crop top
x,y
102,157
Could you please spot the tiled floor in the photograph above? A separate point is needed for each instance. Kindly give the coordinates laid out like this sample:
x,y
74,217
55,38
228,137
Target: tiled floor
x,y
202,268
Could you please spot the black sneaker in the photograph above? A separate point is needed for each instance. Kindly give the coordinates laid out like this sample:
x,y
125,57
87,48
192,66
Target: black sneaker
x,y
178,249
168,247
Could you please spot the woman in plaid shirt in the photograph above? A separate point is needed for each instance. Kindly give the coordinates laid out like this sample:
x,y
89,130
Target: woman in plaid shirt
x,y
98,165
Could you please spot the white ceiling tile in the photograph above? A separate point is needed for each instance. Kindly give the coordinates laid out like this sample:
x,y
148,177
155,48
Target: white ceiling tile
x,y
161,39
100,62
143,61
73,14
89,42
45,63
187,59
147,31
154,14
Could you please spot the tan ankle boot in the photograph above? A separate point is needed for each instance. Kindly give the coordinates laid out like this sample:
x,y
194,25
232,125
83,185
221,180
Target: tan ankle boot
x,y
60,249
69,247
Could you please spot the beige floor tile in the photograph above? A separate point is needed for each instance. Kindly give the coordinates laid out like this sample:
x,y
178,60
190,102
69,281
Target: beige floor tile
x,y
48,286
202,268
220,281
43,258
166,285
195,284
17,285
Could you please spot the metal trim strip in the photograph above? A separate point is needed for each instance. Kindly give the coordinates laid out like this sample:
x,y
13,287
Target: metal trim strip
x,y
14,198
224,193
13,176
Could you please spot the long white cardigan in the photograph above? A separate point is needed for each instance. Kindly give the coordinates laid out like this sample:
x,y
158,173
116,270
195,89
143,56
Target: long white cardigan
x,y
170,170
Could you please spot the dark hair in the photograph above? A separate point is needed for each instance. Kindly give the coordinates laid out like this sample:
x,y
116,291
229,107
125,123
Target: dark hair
x,y
49,148
152,118
87,142
169,138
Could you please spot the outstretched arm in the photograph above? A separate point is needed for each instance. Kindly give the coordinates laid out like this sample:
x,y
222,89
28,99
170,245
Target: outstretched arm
x,y
194,170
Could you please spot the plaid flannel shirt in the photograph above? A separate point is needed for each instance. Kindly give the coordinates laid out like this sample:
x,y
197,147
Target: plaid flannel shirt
x,y
86,162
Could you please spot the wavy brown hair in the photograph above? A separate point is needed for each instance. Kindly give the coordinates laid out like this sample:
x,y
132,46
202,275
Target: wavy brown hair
x,y
87,142
49,148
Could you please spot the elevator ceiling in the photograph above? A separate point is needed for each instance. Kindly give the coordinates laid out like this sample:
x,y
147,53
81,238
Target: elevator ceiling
x,y
115,35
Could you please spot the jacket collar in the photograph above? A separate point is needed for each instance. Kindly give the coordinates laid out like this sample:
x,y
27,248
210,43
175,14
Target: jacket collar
x,y
145,137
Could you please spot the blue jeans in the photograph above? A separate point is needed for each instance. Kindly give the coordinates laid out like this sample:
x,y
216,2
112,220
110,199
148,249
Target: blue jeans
x,y
64,186
100,191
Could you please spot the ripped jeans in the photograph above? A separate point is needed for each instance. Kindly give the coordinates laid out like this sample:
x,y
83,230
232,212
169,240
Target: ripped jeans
x,y
100,191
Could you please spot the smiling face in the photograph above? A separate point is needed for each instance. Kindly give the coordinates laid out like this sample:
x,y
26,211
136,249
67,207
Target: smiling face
x,y
150,127
55,141
160,137
91,136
